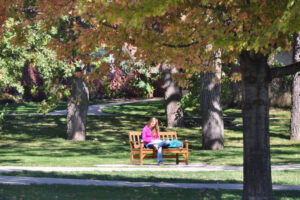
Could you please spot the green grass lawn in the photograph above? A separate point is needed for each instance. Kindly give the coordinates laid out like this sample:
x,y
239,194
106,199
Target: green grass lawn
x,y
41,141
50,192
32,107
290,177
157,108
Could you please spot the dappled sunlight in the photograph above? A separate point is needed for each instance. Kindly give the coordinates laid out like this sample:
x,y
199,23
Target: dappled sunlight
x,y
41,140
140,176
155,108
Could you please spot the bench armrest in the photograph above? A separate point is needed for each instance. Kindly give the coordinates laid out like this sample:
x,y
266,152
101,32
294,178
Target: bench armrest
x,y
141,144
187,144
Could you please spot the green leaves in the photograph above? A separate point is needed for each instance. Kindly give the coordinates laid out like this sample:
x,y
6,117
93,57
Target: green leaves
x,y
32,51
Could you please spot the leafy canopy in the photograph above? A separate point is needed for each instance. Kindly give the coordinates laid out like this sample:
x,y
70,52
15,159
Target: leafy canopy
x,y
180,30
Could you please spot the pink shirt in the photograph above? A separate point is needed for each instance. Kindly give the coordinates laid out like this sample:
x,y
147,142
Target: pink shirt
x,y
147,135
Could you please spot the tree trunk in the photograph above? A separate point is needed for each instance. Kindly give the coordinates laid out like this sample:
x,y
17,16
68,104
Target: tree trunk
x,y
295,117
257,165
211,108
173,95
77,110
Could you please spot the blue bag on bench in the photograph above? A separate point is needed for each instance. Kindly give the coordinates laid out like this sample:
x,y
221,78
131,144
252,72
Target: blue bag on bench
x,y
176,144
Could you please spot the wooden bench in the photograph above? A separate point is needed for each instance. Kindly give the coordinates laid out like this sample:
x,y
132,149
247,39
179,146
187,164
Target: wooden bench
x,y
139,152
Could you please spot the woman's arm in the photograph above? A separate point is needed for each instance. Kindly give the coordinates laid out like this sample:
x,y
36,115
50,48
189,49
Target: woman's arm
x,y
146,135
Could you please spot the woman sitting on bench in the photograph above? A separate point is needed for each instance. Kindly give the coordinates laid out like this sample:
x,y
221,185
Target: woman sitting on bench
x,y
150,136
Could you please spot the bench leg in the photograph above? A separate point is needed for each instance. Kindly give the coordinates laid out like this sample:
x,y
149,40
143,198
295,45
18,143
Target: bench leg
x,y
177,158
131,158
141,158
187,159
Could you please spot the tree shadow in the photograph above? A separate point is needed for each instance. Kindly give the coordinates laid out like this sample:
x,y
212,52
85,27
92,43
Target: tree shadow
x,y
118,177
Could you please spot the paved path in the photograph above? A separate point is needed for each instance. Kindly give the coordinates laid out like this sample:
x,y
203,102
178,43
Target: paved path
x,y
167,167
97,109
20,180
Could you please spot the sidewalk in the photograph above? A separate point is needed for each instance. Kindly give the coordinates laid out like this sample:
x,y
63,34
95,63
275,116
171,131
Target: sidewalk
x,y
149,167
19,180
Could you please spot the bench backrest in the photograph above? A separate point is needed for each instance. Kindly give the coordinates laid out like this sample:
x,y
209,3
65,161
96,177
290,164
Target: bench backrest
x,y
135,137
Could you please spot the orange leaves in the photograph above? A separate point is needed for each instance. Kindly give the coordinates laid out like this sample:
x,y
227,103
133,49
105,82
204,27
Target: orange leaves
x,y
104,68
236,77
3,13
78,74
181,79
243,16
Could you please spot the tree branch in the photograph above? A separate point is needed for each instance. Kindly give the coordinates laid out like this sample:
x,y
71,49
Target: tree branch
x,y
286,70
115,27
180,45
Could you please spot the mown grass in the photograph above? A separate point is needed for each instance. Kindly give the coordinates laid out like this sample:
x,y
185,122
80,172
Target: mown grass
x,y
41,141
290,177
49,192
157,108
32,107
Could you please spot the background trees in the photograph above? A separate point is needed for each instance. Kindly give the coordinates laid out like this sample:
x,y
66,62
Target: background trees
x,y
187,34
30,50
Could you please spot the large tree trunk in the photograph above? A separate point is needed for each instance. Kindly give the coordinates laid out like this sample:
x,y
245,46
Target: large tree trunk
x,y
211,109
77,110
257,165
173,95
295,118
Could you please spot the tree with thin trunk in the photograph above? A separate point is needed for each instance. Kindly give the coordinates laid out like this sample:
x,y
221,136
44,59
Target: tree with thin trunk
x,y
295,111
173,95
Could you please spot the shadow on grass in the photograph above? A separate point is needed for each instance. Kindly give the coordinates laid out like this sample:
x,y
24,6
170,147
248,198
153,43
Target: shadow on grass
x,y
155,108
107,138
47,192
74,192
30,128
118,177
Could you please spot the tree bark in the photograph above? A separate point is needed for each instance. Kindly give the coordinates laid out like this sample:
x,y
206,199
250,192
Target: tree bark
x,y
286,70
295,117
257,165
77,110
211,108
173,95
